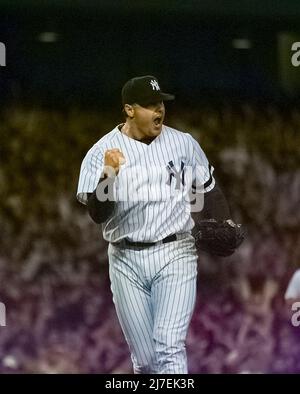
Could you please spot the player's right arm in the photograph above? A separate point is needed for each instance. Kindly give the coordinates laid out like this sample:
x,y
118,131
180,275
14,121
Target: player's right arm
x,y
100,202
97,176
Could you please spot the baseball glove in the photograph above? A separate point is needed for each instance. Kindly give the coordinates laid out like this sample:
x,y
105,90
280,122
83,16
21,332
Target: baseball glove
x,y
219,238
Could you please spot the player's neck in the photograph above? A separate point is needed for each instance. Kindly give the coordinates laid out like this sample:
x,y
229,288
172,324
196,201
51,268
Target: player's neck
x,y
133,132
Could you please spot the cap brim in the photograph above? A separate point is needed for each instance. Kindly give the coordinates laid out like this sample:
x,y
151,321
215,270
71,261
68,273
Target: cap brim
x,y
167,96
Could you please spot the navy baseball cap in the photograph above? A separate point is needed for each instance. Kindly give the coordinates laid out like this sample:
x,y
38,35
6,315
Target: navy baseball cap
x,y
143,90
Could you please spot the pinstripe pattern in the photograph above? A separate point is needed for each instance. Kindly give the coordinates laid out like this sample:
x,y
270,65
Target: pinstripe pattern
x,y
154,288
147,221
154,292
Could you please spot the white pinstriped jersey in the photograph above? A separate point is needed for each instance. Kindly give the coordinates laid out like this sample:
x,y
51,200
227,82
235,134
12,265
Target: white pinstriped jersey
x,y
151,188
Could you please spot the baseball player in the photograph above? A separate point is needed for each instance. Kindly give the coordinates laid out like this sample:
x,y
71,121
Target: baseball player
x,y
137,181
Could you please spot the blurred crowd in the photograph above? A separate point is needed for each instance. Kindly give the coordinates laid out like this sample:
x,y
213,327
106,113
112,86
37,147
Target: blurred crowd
x,y
61,319
53,261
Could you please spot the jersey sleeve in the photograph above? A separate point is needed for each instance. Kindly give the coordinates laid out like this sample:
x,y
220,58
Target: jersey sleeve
x,y
203,180
90,172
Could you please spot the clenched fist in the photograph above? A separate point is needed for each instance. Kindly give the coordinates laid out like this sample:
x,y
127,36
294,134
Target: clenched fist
x,y
113,159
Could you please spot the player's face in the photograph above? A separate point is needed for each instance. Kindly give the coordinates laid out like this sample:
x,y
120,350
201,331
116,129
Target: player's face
x,y
149,120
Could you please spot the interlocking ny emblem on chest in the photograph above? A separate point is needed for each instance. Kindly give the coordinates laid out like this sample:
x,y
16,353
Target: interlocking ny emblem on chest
x,y
178,175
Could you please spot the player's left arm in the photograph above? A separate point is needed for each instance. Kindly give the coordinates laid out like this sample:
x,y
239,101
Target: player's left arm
x,y
215,205
215,232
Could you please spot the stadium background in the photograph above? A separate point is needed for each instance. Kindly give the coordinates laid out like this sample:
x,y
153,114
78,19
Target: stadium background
x,y
228,64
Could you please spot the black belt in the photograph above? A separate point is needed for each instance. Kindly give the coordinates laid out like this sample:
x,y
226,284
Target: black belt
x,y
170,238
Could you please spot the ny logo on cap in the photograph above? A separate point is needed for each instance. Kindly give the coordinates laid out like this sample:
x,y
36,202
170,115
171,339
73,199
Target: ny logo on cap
x,y
154,84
